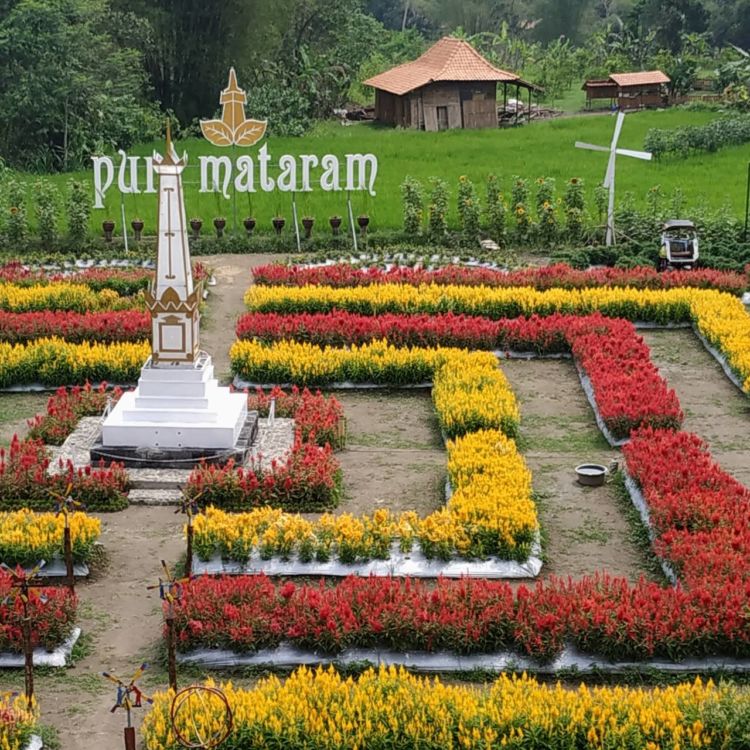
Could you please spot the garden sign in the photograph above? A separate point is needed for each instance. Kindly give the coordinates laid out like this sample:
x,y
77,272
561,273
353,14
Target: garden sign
x,y
352,172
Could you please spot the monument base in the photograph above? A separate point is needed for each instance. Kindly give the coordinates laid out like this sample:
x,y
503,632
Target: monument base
x,y
178,458
177,416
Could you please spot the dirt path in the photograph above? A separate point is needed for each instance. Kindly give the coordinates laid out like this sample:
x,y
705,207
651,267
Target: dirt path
x,y
585,527
394,456
232,274
713,407
120,619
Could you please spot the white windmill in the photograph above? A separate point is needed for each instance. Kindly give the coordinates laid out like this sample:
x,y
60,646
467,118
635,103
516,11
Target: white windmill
x,y
609,178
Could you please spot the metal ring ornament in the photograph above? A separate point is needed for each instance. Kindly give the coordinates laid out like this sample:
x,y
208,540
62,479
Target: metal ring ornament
x,y
206,696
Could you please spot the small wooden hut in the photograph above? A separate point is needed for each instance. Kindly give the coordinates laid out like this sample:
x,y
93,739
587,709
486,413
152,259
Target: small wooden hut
x,y
647,88
449,86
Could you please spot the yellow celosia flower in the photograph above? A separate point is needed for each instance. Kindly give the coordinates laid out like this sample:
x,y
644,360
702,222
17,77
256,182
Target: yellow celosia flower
x,y
17,720
392,708
54,361
27,537
719,316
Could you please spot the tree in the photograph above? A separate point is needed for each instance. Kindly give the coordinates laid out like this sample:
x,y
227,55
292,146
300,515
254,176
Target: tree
x,y
669,20
189,46
562,18
66,89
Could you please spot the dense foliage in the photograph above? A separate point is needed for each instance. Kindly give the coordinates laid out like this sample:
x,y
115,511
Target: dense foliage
x,y
81,76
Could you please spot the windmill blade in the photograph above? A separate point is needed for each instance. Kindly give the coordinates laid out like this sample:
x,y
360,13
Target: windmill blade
x,y
167,571
36,569
645,155
139,672
618,129
113,678
590,147
609,176
7,569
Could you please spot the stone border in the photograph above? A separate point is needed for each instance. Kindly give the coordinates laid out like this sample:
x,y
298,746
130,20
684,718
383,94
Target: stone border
x,y
342,386
41,388
721,359
57,658
270,443
35,743
639,501
650,326
589,391
287,655
55,568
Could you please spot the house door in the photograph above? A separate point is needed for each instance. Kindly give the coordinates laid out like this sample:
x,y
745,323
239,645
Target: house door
x,y
442,118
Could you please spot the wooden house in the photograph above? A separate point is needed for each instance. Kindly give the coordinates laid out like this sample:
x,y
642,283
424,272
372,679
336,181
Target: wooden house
x,y
647,88
449,86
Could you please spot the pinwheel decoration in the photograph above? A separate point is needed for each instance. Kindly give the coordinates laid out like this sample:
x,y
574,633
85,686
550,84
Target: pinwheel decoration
x,y
190,507
129,695
170,588
64,506
21,583
170,591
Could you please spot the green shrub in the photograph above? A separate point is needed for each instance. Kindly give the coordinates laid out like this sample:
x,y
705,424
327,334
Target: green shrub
x,y
438,208
411,193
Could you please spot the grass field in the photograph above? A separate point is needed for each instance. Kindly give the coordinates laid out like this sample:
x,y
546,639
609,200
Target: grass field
x,y
542,149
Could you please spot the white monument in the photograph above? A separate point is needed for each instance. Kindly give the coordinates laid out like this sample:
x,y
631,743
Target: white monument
x,y
178,412
609,177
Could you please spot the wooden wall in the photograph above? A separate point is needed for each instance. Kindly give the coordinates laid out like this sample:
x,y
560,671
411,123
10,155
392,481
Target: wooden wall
x,y
466,105
392,109
479,103
441,95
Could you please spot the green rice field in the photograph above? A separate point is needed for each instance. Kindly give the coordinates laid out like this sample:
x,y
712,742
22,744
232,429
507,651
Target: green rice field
x,y
540,149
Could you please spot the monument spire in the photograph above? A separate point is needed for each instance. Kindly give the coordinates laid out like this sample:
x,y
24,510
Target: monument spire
x,y
173,300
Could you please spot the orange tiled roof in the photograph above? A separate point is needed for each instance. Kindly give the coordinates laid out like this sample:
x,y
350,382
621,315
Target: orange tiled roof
x,y
644,78
450,59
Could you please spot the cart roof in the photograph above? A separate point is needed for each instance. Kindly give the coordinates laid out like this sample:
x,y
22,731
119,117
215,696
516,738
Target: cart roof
x,y
679,224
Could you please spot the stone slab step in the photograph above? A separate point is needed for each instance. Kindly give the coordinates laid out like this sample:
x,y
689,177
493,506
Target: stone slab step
x,y
158,479
164,496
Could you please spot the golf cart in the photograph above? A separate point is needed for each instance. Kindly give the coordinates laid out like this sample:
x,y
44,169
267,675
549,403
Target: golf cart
x,y
679,245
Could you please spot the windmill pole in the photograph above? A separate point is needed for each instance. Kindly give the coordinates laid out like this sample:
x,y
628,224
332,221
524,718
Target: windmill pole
x,y
611,206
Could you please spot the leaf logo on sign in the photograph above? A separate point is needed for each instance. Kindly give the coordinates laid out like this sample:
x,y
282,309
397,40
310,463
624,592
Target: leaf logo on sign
x,y
233,129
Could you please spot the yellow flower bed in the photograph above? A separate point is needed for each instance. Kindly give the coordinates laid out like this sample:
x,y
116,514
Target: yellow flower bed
x,y
490,513
724,322
62,296
17,721
55,362
470,392
475,300
719,316
27,537
391,708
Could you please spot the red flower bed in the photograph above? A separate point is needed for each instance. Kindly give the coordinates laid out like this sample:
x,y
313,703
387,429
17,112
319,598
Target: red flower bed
x,y
119,325
627,386
309,479
599,614
26,483
700,513
124,281
319,419
558,275
66,408
52,616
